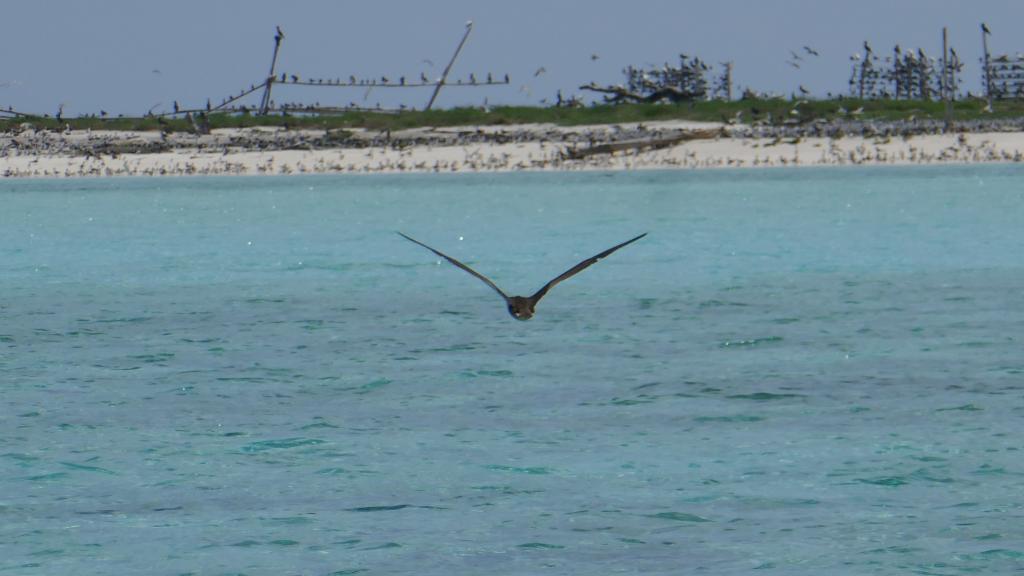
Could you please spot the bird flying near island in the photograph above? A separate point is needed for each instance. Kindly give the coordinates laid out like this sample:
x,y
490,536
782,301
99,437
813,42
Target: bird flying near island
x,y
522,307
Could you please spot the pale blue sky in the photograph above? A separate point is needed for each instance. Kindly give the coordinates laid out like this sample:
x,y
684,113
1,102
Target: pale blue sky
x,y
128,56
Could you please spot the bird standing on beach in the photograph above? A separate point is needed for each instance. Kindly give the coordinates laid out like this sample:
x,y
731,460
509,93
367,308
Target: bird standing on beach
x,y
522,307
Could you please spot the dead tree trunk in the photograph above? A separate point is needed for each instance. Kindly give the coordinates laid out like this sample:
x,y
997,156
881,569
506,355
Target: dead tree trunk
x,y
619,94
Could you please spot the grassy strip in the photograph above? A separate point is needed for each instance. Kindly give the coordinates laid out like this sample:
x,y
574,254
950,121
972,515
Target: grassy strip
x,y
774,111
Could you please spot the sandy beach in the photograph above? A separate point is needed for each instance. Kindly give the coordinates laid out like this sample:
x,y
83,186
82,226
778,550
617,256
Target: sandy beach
x,y
656,145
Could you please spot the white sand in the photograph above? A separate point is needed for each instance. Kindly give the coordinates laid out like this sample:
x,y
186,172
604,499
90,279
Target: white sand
x,y
533,153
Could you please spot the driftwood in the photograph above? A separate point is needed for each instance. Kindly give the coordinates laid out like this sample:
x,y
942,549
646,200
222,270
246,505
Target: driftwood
x,y
619,94
639,144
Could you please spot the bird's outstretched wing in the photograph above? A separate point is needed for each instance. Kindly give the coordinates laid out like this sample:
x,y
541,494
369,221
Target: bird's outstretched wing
x,y
579,268
485,279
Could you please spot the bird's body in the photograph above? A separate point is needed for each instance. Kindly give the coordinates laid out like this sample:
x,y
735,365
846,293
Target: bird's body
x,y
523,307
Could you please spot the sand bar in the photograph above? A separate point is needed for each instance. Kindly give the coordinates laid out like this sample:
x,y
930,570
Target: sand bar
x,y
657,145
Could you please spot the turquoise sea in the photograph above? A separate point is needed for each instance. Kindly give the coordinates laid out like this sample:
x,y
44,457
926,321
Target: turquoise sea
x,y
807,371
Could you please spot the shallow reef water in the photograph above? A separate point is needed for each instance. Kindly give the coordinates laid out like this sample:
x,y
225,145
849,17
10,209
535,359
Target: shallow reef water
x,y
806,371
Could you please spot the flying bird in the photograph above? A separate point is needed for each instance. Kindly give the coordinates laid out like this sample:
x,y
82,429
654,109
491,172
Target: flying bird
x,y
522,307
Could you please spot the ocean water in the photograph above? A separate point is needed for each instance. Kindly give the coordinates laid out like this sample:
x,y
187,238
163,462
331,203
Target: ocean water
x,y
810,371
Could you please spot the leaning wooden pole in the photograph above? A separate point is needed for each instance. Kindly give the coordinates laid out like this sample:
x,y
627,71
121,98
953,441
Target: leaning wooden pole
x,y
444,75
946,88
728,81
988,70
265,102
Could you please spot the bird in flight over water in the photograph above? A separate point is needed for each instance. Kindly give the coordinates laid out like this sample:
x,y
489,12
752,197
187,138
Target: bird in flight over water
x,y
522,307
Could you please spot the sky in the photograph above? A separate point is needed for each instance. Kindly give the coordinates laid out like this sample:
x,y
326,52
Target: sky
x,y
133,56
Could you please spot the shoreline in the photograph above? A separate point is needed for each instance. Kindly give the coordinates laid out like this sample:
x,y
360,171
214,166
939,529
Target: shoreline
x,y
656,145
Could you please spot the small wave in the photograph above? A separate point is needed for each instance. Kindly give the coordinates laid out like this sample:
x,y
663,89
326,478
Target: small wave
x,y
729,419
633,401
21,460
764,396
392,508
157,358
492,373
128,320
995,553
372,385
87,468
281,444
452,348
384,546
891,481
111,367
505,490
534,470
750,342
718,303
928,476
785,320
378,508
48,477
678,517
964,408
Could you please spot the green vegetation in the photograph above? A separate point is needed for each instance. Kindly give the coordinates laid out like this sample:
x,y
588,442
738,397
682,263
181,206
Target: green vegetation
x,y
774,111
